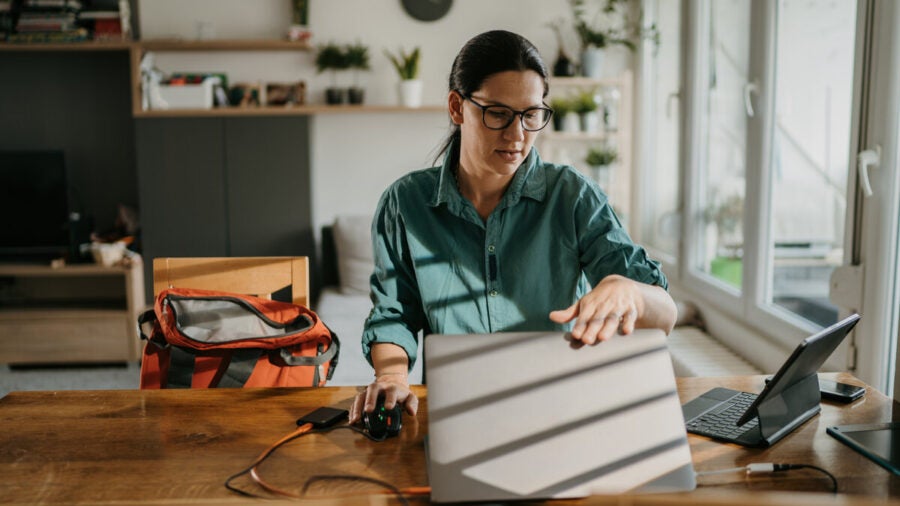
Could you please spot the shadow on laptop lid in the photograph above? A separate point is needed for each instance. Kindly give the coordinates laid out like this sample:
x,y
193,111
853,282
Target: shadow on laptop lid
x,y
529,416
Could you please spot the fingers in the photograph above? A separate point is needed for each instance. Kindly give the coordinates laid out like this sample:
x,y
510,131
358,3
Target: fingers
x,y
629,321
357,407
393,392
564,315
599,329
412,404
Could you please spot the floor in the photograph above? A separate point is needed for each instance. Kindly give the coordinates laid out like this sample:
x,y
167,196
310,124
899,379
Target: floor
x,y
101,377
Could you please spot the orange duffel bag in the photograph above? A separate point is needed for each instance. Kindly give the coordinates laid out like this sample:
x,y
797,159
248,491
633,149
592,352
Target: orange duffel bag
x,y
205,339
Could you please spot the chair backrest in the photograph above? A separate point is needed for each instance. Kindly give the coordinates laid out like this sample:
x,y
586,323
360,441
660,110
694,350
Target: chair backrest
x,y
259,276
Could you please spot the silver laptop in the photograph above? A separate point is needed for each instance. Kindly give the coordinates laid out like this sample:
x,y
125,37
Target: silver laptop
x,y
532,416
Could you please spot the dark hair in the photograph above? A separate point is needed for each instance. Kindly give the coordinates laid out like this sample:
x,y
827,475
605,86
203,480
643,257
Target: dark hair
x,y
483,56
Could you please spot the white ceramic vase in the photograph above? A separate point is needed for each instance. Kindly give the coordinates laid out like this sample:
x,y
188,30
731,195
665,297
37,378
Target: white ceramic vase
x,y
410,92
592,62
571,122
590,122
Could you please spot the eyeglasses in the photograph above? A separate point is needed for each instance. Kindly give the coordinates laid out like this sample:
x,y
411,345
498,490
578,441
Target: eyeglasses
x,y
498,117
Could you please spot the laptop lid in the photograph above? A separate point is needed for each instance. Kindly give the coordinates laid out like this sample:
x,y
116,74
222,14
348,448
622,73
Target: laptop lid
x,y
532,416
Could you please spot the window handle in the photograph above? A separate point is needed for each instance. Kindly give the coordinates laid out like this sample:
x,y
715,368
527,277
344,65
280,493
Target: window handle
x,y
750,88
864,160
675,95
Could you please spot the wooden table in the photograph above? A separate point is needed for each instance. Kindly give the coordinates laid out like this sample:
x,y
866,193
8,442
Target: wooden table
x,y
178,447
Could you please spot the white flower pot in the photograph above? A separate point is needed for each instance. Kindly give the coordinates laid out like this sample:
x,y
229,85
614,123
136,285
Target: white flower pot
x,y
410,92
590,122
571,122
592,62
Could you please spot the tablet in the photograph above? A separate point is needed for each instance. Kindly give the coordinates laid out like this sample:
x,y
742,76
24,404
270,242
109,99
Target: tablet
x,y
879,442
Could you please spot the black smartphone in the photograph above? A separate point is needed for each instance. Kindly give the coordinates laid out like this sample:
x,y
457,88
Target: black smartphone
x,y
323,417
841,392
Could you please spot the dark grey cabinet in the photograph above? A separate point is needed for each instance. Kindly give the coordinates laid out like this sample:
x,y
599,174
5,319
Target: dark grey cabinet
x,y
224,187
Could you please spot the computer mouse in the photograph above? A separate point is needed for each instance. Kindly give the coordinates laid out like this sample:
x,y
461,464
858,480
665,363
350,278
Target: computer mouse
x,y
383,423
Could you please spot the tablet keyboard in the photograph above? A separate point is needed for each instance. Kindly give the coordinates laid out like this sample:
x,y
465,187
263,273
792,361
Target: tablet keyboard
x,y
721,421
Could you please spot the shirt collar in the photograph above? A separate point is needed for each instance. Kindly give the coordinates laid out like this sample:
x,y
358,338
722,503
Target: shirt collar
x,y
529,181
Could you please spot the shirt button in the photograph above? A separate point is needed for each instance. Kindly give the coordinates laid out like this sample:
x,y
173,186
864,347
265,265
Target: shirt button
x,y
491,248
493,293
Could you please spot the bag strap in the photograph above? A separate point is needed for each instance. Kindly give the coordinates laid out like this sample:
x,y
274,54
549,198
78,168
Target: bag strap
x,y
329,354
181,368
240,367
147,316
243,360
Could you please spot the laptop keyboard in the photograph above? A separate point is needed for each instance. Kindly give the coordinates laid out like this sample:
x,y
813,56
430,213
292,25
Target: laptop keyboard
x,y
721,422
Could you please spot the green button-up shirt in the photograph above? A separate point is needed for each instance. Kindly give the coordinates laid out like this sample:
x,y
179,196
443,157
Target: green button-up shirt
x,y
441,269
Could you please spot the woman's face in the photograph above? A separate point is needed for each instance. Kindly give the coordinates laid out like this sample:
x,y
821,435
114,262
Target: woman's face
x,y
486,152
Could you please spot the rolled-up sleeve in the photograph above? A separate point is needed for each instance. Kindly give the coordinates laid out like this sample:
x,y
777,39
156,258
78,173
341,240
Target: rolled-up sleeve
x,y
605,247
397,315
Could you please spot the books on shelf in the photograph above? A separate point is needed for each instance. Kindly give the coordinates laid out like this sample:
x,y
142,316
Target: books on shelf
x,y
77,35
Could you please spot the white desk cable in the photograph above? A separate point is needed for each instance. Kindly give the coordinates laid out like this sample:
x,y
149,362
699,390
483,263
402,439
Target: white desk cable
x,y
769,467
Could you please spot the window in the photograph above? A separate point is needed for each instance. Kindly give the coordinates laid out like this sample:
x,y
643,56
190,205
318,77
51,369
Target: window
x,y
764,151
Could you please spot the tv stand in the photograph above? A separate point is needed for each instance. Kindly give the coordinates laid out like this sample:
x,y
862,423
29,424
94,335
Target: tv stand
x,y
73,314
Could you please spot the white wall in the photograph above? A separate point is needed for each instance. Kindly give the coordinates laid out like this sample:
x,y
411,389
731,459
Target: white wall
x,y
355,156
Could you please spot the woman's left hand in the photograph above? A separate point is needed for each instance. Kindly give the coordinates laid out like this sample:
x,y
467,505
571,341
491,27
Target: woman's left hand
x,y
615,304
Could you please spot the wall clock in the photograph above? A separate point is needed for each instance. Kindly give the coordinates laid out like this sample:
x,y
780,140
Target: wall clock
x,y
427,10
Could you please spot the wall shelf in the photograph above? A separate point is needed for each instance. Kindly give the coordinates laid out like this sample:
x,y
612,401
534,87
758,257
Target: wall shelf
x,y
223,45
88,45
303,110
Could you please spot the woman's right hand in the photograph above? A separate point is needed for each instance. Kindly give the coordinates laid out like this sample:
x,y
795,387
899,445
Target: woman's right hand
x,y
395,389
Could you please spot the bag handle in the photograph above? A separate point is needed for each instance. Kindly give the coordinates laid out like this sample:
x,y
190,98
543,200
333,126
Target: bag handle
x,y
330,353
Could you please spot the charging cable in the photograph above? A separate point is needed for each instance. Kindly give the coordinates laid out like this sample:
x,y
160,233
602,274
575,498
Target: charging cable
x,y
769,467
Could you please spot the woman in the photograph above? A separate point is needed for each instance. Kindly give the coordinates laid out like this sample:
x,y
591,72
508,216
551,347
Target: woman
x,y
494,239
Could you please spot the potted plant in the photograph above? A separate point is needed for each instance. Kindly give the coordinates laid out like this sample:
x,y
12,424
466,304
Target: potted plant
x,y
610,26
563,66
600,160
407,66
357,60
724,217
586,107
561,108
332,57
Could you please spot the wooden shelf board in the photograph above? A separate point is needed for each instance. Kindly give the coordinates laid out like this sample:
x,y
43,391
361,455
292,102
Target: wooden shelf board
x,y
224,45
286,111
585,81
69,270
90,45
577,136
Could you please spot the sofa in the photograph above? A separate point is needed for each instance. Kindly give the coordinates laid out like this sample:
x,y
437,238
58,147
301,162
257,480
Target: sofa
x,y
343,304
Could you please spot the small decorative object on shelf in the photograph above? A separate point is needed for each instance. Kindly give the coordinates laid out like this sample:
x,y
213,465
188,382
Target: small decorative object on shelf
x,y
410,86
563,66
358,60
286,94
586,106
561,108
611,99
608,25
333,58
600,160
244,95
299,29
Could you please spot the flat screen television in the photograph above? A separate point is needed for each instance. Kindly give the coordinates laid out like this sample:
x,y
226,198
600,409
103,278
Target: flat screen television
x,y
34,205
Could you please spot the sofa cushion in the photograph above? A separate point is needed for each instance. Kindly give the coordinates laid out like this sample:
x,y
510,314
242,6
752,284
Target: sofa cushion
x,y
353,244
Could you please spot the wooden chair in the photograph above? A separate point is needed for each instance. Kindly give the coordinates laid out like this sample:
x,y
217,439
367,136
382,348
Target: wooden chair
x,y
259,276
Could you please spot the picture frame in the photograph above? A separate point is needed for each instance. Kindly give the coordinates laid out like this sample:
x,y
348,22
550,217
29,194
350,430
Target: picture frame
x,y
245,95
286,94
